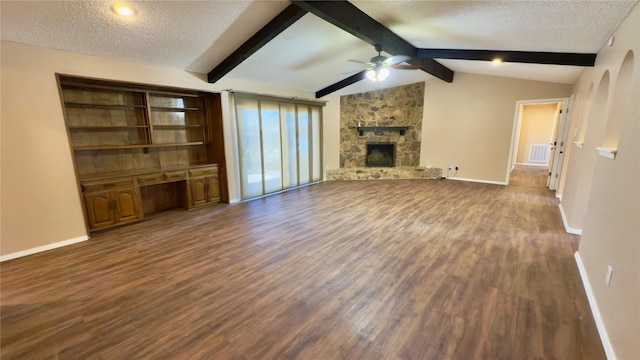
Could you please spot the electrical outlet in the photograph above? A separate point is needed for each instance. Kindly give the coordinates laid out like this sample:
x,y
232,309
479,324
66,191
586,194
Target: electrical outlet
x,y
607,279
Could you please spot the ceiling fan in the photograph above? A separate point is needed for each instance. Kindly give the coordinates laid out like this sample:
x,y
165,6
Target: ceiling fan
x,y
378,67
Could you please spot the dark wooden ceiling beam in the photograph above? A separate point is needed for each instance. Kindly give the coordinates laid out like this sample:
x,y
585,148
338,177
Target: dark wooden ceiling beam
x,y
279,23
530,57
341,84
349,18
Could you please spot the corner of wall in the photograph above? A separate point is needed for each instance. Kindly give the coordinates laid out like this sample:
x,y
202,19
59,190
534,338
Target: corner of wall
x,y
568,228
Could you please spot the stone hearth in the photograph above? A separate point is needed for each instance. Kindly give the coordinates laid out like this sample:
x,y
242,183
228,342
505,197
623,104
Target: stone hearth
x,y
401,172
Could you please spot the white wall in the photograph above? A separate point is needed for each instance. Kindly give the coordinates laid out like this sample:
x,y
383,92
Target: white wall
x,y
469,123
40,202
331,135
602,196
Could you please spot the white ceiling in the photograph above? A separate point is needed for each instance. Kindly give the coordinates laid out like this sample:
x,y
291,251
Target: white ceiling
x,y
312,54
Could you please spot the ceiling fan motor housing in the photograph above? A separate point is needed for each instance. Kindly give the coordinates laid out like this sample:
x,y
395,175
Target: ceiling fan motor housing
x,y
378,59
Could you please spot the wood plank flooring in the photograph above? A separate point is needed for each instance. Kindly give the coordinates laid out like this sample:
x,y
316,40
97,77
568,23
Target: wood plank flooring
x,y
403,269
531,176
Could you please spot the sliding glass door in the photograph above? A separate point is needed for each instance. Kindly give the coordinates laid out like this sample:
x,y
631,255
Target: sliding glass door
x,y
279,142
289,146
271,148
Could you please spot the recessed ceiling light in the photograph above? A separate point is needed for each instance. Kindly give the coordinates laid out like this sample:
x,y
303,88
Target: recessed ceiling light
x,y
497,61
123,10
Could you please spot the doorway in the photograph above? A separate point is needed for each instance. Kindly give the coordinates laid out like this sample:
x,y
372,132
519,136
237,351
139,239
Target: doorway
x,y
538,140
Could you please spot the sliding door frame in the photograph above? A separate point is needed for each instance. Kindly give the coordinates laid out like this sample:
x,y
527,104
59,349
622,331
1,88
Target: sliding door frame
x,y
300,106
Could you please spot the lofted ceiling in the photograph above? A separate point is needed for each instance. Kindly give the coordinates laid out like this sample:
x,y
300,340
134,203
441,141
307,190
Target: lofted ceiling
x,y
312,53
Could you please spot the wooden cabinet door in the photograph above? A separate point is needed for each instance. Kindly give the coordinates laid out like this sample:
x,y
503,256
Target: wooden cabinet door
x,y
127,205
213,187
99,209
198,191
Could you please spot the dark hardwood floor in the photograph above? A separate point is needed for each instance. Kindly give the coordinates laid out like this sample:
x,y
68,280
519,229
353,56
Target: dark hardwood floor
x,y
404,269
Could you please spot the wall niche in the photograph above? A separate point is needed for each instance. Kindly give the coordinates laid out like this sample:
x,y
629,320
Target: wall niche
x,y
397,106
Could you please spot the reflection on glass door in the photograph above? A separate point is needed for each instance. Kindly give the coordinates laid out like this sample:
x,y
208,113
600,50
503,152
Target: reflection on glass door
x,y
303,144
250,146
316,141
271,149
280,145
289,146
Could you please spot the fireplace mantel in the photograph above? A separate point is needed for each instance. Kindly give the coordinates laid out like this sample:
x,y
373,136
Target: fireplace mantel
x,y
401,129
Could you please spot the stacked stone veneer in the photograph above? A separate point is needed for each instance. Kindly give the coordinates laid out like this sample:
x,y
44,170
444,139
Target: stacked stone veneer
x,y
403,172
398,106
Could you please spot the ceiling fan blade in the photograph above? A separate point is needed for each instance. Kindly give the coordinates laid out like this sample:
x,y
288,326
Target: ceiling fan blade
x,y
358,61
397,59
404,67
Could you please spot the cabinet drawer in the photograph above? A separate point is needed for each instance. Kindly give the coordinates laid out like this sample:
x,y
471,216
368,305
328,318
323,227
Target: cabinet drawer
x,y
174,176
107,184
150,179
203,172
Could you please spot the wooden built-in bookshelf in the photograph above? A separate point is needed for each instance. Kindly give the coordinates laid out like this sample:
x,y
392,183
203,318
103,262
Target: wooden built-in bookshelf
x,y
139,149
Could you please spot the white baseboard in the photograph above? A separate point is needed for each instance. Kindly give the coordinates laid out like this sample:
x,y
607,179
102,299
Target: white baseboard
x,y
533,164
559,196
567,228
39,249
478,181
602,331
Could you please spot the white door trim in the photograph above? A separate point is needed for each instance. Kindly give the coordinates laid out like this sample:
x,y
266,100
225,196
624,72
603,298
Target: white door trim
x,y
516,127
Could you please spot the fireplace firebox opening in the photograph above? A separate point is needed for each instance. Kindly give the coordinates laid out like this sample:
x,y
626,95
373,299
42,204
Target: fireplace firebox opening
x,y
381,155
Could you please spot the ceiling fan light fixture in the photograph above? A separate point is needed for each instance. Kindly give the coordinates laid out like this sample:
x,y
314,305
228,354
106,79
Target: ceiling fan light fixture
x,y
123,10
371,75
383,73
377,74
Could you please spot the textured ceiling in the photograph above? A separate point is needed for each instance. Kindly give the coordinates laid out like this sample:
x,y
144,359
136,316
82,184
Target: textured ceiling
x,y
189,35
312,54
554,26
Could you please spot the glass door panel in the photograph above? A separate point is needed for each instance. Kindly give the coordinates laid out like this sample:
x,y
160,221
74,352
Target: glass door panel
x,y
289,146
316,129
271,148
303,144
250,147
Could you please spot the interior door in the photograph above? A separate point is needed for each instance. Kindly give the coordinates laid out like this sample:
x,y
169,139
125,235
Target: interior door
x,y
560,147
553,143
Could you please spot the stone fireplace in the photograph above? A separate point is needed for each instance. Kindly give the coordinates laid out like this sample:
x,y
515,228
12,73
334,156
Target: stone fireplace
x,y
380,155
381,134
375,117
